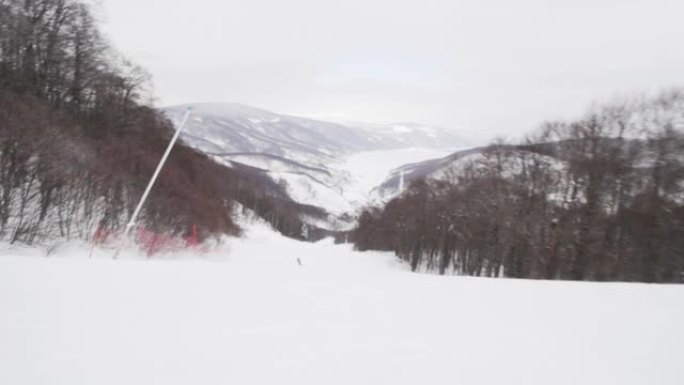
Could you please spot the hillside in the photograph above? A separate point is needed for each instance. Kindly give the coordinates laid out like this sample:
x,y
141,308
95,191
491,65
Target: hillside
x,y
597,198
314,161
78,142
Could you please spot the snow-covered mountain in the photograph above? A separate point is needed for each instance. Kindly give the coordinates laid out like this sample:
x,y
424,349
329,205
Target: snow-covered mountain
x,y
553,153
329,165
445,168
431,168
230,128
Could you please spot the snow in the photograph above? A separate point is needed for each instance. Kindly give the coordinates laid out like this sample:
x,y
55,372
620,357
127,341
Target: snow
x,y
340,186
304,189
247,313
370,168
401,129
354,157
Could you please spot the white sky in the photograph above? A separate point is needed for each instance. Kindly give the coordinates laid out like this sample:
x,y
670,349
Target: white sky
x,y
494,67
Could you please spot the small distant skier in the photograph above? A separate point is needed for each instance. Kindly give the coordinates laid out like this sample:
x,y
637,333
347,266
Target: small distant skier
x,y
299,261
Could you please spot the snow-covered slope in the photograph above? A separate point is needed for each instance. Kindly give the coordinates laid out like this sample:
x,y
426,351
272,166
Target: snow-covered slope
x,y
431,168
250,314
328,165
553,154
446,167
370,169
408,134
226,129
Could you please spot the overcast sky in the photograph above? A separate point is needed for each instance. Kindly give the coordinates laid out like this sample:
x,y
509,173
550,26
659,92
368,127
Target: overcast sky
x,y
496,67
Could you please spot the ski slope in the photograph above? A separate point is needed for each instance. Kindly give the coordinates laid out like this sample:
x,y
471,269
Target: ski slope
x,y
250,314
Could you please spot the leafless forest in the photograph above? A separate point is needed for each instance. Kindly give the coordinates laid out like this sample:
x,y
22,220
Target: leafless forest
x,y
599,198
78,141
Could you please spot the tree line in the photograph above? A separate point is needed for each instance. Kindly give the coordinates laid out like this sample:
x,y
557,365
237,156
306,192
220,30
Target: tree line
x,y
599,198
79,141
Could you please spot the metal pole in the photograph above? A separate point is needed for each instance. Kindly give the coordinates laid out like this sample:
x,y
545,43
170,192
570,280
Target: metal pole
x,y
131,223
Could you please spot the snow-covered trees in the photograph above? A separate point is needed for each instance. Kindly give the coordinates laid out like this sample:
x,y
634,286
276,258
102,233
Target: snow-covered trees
x,y
600,198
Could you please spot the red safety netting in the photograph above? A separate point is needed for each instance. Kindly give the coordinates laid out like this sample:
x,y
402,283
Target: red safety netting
x,y
150,242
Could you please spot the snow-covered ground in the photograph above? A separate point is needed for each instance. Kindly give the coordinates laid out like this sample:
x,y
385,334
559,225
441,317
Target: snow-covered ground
x,y
250,314
369,169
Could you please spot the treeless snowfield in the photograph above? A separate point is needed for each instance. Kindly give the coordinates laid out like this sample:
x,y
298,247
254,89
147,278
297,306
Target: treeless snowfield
x,y
369,169
254,316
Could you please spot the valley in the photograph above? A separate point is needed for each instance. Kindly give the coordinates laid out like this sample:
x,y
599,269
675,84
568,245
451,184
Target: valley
x,y
332,166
